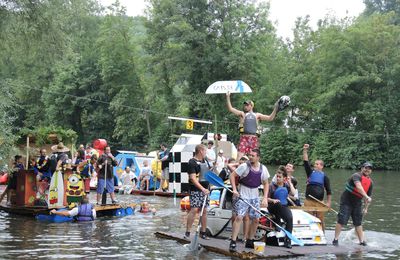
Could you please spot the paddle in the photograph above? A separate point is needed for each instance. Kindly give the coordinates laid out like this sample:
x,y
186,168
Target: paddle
x,y
194,244
365,209
323,203
217,181
104,195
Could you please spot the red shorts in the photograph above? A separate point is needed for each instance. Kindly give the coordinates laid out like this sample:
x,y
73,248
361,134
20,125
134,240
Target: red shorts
x,y
247,143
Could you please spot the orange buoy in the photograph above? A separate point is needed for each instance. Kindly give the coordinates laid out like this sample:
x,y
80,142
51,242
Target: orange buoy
x,y
185,203
214,202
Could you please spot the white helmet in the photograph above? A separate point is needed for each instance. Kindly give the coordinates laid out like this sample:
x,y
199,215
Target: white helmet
x,y
283,102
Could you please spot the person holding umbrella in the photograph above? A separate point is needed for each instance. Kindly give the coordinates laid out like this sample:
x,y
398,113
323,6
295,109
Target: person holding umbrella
x,y
248,124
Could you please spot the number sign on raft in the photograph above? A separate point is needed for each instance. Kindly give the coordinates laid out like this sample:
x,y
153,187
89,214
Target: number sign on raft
x,y
233,86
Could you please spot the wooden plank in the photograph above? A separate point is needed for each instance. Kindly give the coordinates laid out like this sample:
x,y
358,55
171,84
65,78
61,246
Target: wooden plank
x,y
22,210
311,209
35,210
221,246
158,193
113,206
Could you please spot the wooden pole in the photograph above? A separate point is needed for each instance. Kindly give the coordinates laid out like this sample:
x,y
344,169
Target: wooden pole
x,y
323,203
216,144
27,152
148,124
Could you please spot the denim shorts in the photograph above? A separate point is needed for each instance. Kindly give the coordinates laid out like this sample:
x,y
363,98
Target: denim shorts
x,y
109,187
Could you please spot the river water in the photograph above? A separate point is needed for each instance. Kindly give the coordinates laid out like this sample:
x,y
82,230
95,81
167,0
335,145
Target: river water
x,y
132,237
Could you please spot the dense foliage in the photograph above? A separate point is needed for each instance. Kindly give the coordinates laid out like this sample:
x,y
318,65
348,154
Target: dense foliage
x,y
76,65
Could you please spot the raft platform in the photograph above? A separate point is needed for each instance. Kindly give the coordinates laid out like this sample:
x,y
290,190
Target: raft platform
x,y
159,193
101,210
221,246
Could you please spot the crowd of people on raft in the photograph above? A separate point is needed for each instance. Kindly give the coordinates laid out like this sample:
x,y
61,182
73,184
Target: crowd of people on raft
x,y
245,176
95,171
248,174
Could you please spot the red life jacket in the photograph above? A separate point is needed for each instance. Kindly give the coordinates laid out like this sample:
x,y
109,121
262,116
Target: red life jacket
x,y
365,183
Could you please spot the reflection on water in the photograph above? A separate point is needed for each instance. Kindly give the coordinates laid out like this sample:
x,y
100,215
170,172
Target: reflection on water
x,y
132,237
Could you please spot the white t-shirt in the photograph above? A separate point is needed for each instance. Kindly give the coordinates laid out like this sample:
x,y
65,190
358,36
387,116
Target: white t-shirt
x,y
126,178
74,212
246,192
210,155
220,163
146,172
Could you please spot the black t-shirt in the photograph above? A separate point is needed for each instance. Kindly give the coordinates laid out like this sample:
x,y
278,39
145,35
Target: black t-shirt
x,y
42,164
110,164
165,164
315,190
294,182
194,168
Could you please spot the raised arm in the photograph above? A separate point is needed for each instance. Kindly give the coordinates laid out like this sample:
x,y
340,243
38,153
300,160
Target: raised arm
x,y
269,117
229,106
305,152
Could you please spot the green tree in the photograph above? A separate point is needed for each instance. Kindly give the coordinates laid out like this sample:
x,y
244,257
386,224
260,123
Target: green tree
x,y
8,114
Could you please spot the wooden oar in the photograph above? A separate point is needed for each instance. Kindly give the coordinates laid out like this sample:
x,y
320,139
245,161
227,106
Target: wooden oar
x,y
104,195
291,201
365,210
323,203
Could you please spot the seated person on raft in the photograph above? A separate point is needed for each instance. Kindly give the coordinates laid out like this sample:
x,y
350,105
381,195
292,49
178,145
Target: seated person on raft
x,y
84,212
278,201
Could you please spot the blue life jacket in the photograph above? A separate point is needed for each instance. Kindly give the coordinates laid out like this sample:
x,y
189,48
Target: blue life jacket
x,y
281,193
317,178
85,212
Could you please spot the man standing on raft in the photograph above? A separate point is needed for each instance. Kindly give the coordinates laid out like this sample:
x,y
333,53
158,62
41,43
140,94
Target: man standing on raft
x,y
248,124
317,182
358,187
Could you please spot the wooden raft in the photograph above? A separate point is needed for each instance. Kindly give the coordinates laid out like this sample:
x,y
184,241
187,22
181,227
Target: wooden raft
x,y
221,246
159,193
310,209
43,210
113,206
